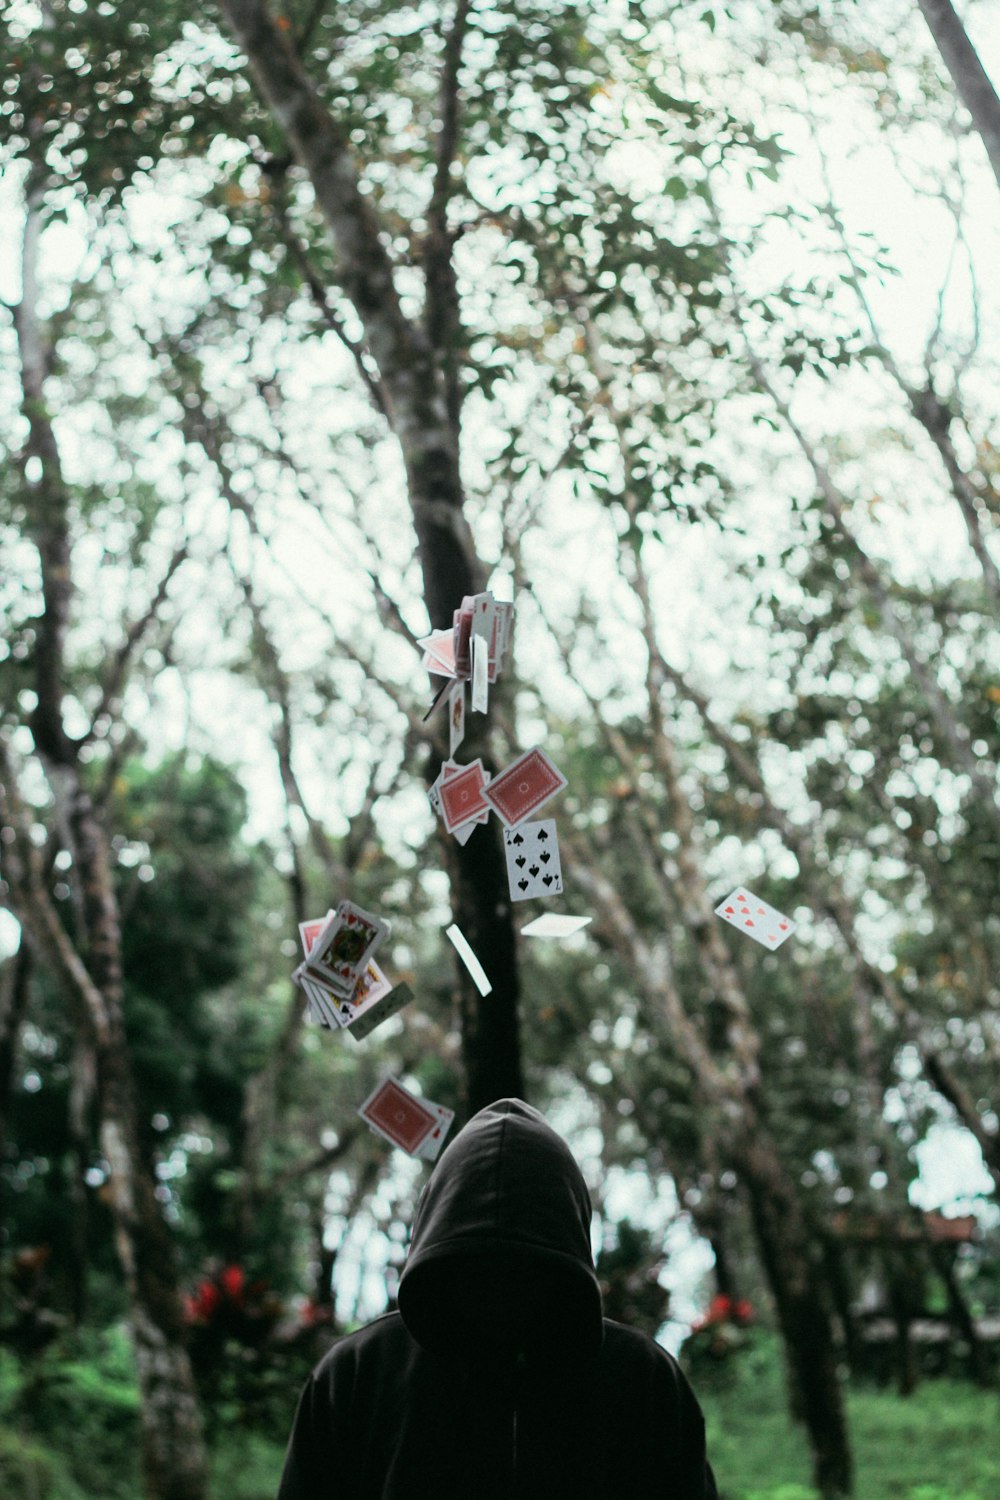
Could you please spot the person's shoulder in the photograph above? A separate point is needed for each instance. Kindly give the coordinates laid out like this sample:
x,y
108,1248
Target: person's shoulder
x,y
377,1339
628,1346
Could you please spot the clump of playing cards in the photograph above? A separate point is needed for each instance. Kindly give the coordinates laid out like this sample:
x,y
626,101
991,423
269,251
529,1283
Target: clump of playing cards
x,y
342,982
473,649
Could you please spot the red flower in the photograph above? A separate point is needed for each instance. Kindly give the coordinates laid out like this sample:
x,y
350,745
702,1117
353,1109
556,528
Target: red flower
x,y
233,1280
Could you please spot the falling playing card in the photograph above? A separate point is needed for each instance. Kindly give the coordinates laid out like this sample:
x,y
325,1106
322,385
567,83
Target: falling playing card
x,y
339,955
554,924
533,866
323,1004
439,653
370,989
431,1147
480,675
463,619
456,717
461,943
523,787
461,795
380,1010
310,931
396,1114
765,924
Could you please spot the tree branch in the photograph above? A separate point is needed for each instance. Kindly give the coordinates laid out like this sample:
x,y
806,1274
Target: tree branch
x,y
967,73
119,663
323,148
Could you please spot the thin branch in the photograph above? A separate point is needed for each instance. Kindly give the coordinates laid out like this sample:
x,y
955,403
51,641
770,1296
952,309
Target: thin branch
x,y
310,278
952,731
934,416
120,661
34,908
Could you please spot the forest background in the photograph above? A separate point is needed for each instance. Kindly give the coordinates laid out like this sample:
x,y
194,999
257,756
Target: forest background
x,y
677,325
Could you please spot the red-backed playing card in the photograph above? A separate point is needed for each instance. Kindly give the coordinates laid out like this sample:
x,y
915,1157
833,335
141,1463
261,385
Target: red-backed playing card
x,y
461,796
398,1116
524,787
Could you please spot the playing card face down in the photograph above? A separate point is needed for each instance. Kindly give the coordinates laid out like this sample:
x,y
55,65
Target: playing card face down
x,y
533,865
461,795
523,787
398,1115
339,955
749,914
439,653
379,1010
309,931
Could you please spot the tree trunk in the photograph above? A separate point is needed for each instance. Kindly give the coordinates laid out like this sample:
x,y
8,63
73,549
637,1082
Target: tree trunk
x,y
416,369
899,1290
15,983
173,1450
967,74
961,1316
83,1083
798,1288
838,1280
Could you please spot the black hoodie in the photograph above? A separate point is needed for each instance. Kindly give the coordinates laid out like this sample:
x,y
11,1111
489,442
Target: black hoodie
x,y
498,1376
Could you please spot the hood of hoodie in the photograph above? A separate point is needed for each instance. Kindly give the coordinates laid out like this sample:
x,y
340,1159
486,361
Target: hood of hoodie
x,y
500,1260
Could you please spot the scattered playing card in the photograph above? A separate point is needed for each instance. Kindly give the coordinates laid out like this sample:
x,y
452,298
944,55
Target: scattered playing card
x,y
503,616
469,959
480,675
439,653
765,924
431,1147
461,795
323,1004
533,865
456,717
398,1115
341,951
310,931
370,989
380,1010
523,787
463,635
554,924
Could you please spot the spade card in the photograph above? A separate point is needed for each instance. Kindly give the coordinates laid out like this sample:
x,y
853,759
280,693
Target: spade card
x,y
533,865
456,717
339,955
747,912
432,1145
398,1115
378,1011
523,787
370,989
461,795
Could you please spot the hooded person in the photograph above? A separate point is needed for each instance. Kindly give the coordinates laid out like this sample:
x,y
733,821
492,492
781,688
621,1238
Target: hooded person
x,y
498,1376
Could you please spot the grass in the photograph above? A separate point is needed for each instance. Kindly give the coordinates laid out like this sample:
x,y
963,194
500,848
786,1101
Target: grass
x,y
938,1444
69,1433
